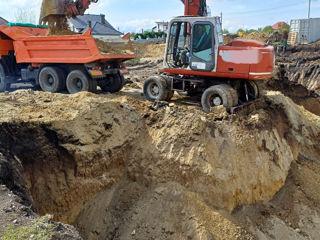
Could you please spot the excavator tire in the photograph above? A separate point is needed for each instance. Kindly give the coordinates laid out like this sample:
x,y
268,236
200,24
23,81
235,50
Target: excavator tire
x,y
233,93
155,88
215,96
113,84
78,81
50,79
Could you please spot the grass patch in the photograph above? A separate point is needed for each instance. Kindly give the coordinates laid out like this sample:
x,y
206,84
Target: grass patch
x,y
41,229
135,60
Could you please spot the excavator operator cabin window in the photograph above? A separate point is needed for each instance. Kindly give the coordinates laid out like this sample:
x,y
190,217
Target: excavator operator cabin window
x,y
178,44
202,43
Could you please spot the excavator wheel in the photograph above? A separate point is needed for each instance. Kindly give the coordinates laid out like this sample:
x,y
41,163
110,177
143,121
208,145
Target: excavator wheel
x,y
155,88
78,81
216,96
113,84
233,93
51,79
248,91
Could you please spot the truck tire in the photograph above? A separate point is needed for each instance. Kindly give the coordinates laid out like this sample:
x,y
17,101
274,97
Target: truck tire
x,y
155,88
3,82
215,96
113,84
50,79
62,77
78,81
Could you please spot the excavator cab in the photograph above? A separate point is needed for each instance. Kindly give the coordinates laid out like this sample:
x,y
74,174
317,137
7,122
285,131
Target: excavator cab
x,y
193,43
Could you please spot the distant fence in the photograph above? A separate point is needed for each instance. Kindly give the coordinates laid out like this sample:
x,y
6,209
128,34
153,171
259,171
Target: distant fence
x,y
149,40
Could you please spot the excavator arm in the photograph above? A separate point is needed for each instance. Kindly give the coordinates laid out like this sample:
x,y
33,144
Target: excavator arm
x,y
69,8
73,8
195,7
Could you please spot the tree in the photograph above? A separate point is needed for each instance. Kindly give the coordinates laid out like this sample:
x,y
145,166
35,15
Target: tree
x,y
25,16
268,29
225,31
250,31
240,32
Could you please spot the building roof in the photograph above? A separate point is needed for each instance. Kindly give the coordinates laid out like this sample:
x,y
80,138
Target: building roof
x,y
278,25
99,25
3,21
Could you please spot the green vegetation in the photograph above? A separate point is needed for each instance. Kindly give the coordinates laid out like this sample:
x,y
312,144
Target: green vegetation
x,y
135,60
147,34
42,229
267,29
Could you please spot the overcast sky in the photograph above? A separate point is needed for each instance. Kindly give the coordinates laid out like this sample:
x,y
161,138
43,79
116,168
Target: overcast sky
x,y
134,15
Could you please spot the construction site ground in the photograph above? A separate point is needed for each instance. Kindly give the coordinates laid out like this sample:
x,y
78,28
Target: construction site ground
x,y
116,166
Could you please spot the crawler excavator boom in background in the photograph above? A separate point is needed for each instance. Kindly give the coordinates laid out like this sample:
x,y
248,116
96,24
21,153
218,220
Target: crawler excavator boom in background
x,y
196,61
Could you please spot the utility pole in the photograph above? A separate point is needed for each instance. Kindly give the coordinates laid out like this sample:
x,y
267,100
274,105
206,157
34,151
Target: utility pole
x,y
309,9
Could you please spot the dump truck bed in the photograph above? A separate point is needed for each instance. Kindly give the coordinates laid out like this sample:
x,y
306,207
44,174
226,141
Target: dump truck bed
x,y
31,45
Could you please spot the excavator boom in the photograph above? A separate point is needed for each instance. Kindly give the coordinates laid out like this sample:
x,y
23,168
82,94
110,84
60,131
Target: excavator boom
x,y
195,7
73,8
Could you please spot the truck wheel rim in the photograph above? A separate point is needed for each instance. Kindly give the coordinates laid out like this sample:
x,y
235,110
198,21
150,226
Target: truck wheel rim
x,y
215,100
78,83
153,90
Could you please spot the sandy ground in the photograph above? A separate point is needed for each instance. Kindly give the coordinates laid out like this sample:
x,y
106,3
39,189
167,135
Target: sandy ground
x,y
119,167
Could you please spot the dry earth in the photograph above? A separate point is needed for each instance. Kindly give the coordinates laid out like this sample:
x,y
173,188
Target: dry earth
x,y
119,167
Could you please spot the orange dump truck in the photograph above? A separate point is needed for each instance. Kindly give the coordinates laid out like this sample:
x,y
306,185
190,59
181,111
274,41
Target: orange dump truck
x,y
56,63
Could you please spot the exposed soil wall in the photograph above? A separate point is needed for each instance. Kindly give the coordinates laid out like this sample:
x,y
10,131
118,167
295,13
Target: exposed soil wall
x,y
117,169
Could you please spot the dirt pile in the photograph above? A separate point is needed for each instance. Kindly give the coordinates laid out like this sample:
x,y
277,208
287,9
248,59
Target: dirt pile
x,y
118,170
115,48
259,36
301,65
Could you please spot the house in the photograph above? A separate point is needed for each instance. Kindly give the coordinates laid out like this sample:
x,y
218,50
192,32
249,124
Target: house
x,y
100,27
161,27
3,21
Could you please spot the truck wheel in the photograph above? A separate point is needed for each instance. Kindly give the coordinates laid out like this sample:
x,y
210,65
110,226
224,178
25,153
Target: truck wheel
x,y
50,79
112,84
78,81
62,78
3,82
155,88
216,96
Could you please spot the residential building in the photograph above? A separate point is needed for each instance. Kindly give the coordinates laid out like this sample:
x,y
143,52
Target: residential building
x,y
3,21
100,27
